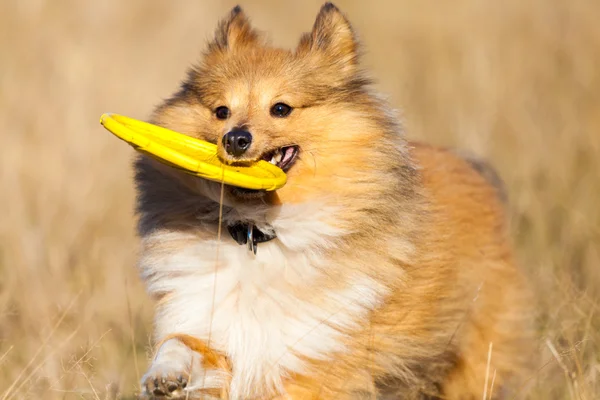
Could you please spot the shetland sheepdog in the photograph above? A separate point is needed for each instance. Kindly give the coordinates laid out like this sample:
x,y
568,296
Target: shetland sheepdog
x,y
382,269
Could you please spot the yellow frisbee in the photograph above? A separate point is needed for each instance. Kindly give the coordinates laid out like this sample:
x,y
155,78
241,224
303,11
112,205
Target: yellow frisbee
x,y
193,156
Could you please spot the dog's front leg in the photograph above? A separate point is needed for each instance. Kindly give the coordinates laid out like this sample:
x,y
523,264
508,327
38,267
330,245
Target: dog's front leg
x,y
184,367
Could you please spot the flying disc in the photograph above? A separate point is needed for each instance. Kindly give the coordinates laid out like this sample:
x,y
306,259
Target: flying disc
x,y
194,156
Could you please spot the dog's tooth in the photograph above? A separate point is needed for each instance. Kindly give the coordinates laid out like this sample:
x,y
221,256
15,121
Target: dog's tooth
x,y
276,157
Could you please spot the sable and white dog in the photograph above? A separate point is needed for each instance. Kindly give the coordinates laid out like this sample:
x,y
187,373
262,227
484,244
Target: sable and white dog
x,y
382,269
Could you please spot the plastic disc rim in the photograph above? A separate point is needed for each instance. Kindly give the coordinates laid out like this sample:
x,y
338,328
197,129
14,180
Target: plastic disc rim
x,y
194,156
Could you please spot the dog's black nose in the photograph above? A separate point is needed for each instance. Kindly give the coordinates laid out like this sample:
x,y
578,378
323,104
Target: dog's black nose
x,y
237,141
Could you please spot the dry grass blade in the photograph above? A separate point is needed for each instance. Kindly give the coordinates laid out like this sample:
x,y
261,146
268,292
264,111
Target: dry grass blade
x,y
487,372
132,334
492,386
214,292
8,391
562,365
6,353
94,392
38,367
77,363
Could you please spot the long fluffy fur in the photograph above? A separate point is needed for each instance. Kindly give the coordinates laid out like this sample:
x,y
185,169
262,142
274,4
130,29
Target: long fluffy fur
x,y
391,273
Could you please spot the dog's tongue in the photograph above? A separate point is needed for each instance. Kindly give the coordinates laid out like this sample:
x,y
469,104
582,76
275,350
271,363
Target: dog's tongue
x,y
287,157
289,152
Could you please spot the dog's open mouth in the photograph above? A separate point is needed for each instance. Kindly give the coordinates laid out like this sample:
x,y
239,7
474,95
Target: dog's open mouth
x,y
283,157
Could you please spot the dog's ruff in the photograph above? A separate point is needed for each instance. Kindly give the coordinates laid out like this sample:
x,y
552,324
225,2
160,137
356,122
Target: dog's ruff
x,y
251,321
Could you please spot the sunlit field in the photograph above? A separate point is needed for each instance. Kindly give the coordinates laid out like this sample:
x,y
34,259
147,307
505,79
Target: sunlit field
x,y
515,81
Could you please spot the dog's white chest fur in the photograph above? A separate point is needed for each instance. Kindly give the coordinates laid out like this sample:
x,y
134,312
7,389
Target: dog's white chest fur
x,y
255,308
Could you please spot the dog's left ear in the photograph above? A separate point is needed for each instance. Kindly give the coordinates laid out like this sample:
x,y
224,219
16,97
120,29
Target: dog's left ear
x,y
332,37
235,32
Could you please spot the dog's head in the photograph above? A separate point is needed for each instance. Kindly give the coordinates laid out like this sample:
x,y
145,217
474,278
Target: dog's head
x,y
309,110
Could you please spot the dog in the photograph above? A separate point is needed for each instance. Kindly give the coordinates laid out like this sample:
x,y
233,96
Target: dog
x,y
382,269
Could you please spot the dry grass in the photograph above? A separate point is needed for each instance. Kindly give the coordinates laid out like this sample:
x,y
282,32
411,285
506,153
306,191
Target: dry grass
x,y
516,81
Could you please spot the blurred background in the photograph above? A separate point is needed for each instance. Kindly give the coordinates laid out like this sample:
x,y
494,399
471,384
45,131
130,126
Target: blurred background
x,y
516,81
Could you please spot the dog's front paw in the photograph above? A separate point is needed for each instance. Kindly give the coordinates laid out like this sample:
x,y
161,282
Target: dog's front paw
x,y
173,379
166,380
178,372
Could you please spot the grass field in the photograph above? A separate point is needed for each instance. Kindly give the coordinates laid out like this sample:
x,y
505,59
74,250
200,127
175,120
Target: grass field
x,y
517,81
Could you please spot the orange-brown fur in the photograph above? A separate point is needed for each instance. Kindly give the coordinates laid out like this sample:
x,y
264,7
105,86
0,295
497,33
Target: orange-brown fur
x,y
421,221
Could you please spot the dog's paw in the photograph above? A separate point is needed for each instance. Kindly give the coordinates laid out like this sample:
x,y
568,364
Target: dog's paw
x,y
173,381
166,380
178,372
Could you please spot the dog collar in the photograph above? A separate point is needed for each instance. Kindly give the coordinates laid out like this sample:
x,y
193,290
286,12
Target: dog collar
x,y
248,234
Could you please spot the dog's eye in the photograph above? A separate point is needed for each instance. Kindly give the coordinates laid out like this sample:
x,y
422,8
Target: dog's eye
x,y
222,112
281,110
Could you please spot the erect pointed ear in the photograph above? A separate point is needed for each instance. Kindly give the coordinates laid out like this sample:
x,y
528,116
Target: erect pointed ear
x,y
333,37
235,31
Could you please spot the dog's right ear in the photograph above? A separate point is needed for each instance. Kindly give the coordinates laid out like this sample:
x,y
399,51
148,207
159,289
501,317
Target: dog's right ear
x,y
234,32
333,39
